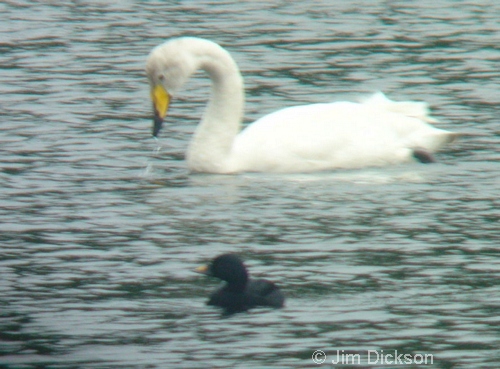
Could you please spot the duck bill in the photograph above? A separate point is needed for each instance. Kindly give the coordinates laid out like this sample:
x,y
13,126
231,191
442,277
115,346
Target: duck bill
x,y
202,269
161,102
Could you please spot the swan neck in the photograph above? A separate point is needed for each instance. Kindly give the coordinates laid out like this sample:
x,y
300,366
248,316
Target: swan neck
x,y
211,145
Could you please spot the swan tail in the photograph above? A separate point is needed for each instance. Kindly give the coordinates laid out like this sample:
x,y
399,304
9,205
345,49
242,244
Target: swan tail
x,y
431,144
415,109
436,139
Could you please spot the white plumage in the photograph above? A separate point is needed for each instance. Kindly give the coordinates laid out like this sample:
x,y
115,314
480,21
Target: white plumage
x,y
305,138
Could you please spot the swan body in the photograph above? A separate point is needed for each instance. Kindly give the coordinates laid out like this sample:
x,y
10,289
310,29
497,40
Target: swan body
x,y
305,138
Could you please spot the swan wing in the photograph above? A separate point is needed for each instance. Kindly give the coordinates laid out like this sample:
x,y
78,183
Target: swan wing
x,y
336,135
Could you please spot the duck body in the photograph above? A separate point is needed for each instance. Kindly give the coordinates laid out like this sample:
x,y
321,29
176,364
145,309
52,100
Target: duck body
x,y
258,292
306,138
240,293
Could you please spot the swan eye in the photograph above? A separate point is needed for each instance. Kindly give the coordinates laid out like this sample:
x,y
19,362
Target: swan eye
x,y
161,77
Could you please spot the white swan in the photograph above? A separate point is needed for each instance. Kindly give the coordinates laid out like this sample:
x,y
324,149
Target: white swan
x,y
304,138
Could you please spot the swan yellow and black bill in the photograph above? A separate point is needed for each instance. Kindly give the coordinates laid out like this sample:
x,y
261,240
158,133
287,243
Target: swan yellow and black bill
x,y
161,101
202,269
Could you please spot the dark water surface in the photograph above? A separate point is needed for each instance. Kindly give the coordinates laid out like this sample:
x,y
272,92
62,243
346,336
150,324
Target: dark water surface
x,y
100,229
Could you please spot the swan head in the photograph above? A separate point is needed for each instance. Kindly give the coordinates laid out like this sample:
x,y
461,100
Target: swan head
x,y
168,67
